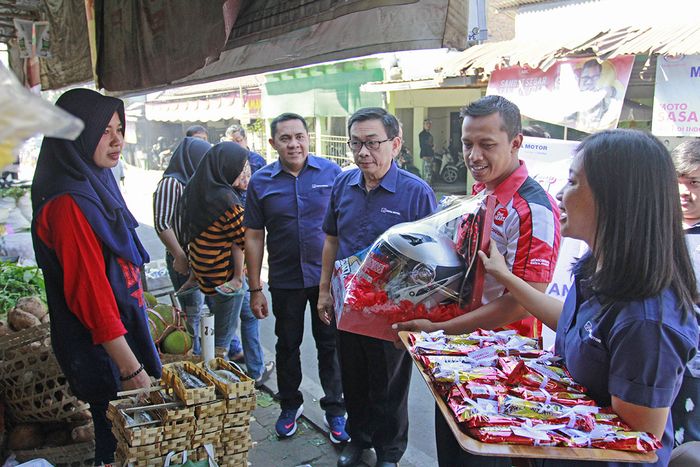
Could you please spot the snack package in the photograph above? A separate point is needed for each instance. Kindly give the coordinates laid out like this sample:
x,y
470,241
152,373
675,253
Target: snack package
x,y
423,269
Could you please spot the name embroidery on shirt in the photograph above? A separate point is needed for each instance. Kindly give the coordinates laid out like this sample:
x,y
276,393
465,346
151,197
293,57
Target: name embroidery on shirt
x,y
588,327
320,186
389,211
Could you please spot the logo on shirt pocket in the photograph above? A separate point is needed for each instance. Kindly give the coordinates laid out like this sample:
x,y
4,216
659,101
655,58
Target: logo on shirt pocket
x,y
389,211
315,186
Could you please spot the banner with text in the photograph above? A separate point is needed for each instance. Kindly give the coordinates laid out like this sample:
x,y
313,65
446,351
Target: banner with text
x,y
579,93
677,96
548,162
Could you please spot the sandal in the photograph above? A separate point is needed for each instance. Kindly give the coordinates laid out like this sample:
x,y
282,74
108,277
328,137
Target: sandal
x,y
228,290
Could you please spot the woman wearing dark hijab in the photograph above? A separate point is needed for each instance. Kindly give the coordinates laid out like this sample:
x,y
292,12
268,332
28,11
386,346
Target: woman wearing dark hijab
x,y
182,166
86,245
211,225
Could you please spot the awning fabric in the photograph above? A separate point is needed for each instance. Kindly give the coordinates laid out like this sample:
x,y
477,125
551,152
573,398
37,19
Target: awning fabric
x,y
544,51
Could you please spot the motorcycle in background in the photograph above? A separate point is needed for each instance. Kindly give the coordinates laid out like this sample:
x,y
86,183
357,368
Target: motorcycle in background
x,y
453,167
404,160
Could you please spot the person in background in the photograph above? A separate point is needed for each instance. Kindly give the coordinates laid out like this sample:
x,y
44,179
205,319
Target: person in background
x,y
236,133
288,199
525,229
86,246
536,131
628,327
182,166
364,203
427,150
210,224
686,408
198,131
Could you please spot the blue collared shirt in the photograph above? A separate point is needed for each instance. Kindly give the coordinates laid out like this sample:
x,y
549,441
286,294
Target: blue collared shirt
x,y
256,161
357,217
291,209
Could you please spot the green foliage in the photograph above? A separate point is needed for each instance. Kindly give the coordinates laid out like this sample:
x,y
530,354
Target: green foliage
x,y
17,282
15,192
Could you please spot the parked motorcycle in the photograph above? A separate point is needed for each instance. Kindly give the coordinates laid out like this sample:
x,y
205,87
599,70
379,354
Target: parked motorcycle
x,y
453,167
405,161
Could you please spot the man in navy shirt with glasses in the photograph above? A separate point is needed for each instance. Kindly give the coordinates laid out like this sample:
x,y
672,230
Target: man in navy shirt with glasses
x,y
364,203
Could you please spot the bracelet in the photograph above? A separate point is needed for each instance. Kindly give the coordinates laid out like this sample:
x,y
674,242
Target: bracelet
x,y
132,375
259,289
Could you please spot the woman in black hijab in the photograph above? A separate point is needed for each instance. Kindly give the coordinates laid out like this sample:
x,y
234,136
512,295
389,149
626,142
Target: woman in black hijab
x,y
181,168
86,245
211,225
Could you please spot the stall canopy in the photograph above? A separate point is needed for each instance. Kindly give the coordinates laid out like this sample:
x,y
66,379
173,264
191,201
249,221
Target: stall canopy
x,y
150,45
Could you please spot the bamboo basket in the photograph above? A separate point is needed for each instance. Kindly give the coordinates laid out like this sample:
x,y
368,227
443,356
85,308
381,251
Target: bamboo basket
x,y
244,388
209,424
241,404
199,440
172,414
236,419
189,396
210,409
34,386
234,460
74,455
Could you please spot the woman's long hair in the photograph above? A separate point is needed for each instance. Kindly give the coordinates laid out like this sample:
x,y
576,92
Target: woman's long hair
x,y
639,241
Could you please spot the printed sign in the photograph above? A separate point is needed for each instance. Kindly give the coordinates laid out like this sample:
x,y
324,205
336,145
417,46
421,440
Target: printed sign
x,y
579,93
677,96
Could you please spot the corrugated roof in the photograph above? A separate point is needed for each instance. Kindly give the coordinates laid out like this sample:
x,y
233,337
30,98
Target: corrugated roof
x,y
543,52
505,4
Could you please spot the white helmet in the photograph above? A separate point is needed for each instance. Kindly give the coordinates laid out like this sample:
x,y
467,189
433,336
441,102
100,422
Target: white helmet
x,y
425,266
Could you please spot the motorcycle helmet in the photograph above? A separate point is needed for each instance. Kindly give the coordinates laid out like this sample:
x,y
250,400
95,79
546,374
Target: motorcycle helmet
x,y
419,264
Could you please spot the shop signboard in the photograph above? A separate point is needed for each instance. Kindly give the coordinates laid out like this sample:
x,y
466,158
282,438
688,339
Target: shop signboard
x,y
677,96
579,93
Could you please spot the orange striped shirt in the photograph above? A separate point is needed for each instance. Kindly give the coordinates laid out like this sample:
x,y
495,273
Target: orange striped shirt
x,y
210,251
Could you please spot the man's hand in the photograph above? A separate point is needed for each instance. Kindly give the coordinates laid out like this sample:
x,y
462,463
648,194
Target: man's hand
x,y
181,264
414,325
325,306
142,380
258,305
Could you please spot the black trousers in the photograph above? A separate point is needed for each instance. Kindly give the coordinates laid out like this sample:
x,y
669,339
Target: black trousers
x,y
105,442
288,306
376,378
450,454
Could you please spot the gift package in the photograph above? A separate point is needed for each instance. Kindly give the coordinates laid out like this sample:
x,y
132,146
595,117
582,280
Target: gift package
x,y
501,388
423,269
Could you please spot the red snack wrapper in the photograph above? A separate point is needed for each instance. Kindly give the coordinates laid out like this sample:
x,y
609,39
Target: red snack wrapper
x,y
635,441
479,413
456,374
579,417
478,391
504,434
569,399
548,377
508,364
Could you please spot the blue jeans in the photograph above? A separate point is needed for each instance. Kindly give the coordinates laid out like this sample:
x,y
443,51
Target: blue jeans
x,y
226,310
250,337
686,411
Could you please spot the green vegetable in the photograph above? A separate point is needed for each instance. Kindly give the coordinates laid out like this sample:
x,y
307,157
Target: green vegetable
x,y
17,282
15,192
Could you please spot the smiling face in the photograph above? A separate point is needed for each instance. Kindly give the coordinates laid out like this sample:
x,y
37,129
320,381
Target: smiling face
x,y
488,151
110,146
291,141
374,163
577,205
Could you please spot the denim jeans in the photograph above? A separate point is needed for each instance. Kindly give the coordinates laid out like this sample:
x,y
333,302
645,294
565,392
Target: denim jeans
x,y
250,336
191,305
226,310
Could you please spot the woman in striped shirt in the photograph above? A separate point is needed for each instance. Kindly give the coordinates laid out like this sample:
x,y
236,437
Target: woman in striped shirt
x,y
211,225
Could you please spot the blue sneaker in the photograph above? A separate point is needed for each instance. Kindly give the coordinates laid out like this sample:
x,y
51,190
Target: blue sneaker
x,y
336,429
286,424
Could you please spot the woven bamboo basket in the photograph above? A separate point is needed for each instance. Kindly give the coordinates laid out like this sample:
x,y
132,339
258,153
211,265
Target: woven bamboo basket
x,y
244,388
236,419
175,444
73,455
189,396
210,409
209,424
234,442
199,440
172,414
166,358
241,404
137,454
234,460
33,384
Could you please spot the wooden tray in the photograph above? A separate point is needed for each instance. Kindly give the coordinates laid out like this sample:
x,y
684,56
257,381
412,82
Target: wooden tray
x,y
474,446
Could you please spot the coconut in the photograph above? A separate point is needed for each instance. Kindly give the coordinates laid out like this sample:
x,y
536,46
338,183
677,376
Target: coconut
x,y
177,342
20,319
151,300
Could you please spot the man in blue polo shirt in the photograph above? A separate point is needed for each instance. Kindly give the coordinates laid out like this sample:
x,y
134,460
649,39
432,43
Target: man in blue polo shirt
x,y
288,198
365,202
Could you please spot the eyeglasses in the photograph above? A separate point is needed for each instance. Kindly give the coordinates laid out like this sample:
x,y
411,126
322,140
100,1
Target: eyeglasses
x,y
356,146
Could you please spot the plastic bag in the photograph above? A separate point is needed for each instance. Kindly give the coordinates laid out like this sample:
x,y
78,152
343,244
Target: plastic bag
x,y
423,269
25,114
210,461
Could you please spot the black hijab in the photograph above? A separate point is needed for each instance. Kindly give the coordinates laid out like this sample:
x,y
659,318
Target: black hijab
x,y
66,167
186,158
209,193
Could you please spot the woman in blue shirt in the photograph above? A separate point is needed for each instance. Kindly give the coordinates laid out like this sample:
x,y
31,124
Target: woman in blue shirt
x,y
628,327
